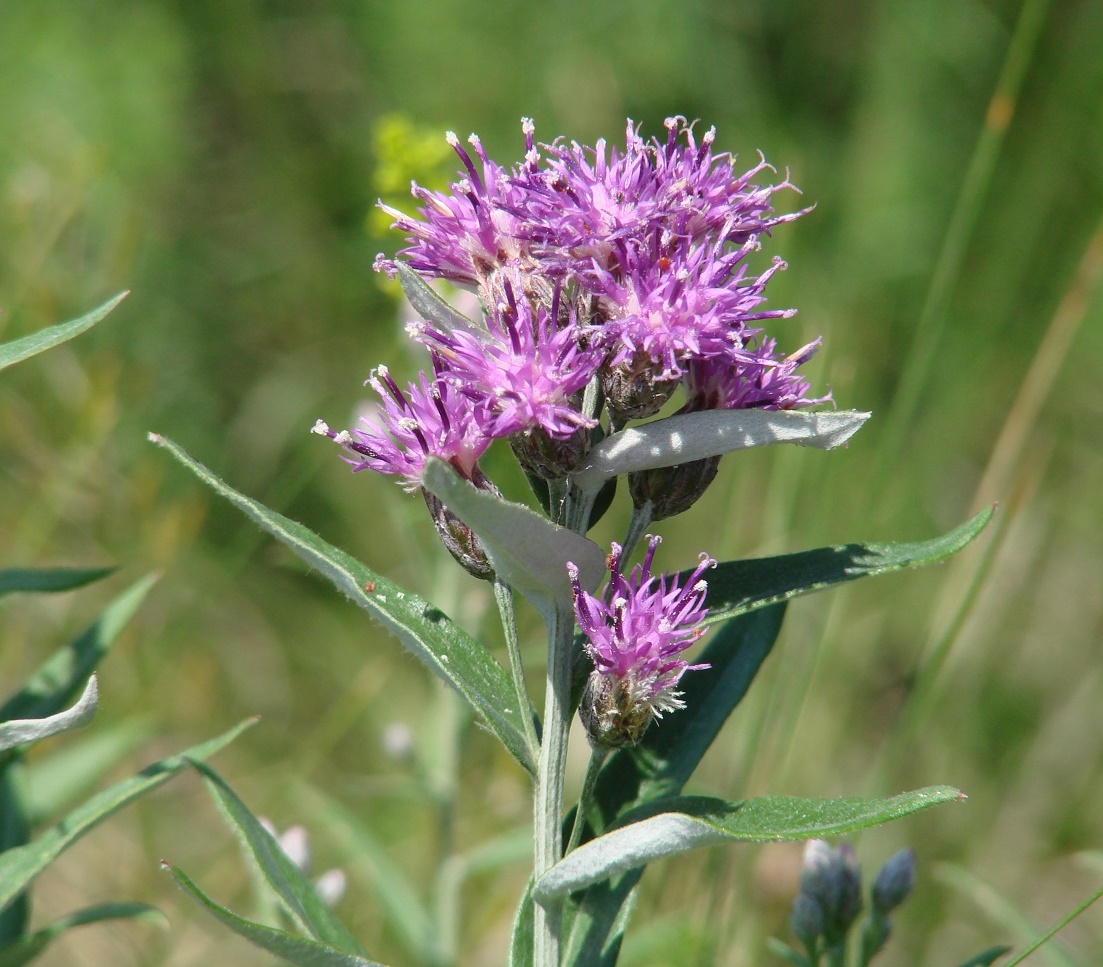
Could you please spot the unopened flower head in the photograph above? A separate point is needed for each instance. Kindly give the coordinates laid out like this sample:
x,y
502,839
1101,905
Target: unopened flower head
x,y
636,630
832,877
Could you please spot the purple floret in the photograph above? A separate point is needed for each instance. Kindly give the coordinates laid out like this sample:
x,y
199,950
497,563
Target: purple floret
x,y
639,626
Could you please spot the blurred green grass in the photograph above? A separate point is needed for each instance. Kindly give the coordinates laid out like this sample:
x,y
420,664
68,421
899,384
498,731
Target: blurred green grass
x,y
216,158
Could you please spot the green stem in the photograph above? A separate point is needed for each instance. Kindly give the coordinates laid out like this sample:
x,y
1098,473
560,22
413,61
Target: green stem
x,y
641,519
503,595
597,760
548,802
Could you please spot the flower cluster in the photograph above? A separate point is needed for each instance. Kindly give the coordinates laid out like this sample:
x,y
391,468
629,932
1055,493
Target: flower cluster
x,y
608,278
830,900
635,632
628,267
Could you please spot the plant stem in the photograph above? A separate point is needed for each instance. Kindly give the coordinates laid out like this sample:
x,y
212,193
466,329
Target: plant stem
x,y
503,595
597,760
548,802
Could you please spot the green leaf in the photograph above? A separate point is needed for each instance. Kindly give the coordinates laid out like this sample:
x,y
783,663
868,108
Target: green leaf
x,y
987,957
295,950
523,940
660,766
428,304
667,827
68,772
28,948
527,551
686,437
434,639
57,681
736,587
25,731
19,866
786,953
15,830
20,349
49,579
299,897
404,910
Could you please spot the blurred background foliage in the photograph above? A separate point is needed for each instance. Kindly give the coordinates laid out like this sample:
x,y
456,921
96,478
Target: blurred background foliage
x,y
221,158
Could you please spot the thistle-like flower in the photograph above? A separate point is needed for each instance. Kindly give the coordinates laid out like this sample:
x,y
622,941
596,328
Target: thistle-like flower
x,y
430,419
523,371
635,631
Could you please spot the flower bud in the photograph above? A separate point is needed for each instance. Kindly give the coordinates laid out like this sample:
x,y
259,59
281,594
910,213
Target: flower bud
x,y
458,539
635,390
610,715
544,456
672,490
806,920
833,878
894,883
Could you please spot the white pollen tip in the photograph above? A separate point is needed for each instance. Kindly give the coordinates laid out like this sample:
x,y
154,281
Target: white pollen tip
x,y
321,427
344,438
450,137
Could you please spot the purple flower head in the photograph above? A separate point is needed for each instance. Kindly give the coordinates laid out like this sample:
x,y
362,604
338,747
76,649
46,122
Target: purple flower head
x,y
753,376
470,231
674,304
586,206
635,632
431,419
521,374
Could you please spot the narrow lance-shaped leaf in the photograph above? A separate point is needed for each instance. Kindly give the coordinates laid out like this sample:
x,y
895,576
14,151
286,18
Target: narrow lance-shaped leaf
x,y
528,552
296,950
987,957
298,895
403,908
27,948
23,731
19,866
686,437
684,823
49,579
735,587
19,349
460,660
58,680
